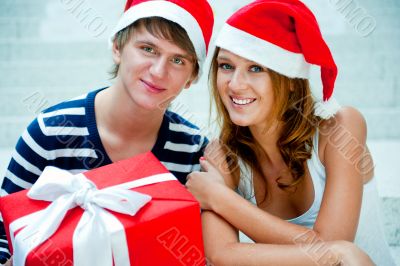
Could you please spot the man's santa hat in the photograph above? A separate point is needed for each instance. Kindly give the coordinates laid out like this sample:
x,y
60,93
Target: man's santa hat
x,y
194,16
282,35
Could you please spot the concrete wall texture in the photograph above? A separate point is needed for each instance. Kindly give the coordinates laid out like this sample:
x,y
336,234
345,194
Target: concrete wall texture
x,y
55,50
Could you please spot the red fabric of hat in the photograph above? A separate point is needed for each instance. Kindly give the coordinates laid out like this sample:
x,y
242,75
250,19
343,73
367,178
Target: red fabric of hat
x,y
282,35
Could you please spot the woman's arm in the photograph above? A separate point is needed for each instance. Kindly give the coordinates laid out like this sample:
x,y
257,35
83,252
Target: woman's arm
x,y
338,216
345,149
223,248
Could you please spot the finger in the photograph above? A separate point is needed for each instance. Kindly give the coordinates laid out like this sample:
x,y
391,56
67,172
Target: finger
x,y
188,177
203,164
207,166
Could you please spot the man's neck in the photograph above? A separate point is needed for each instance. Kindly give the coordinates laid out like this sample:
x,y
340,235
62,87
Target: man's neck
x,y
117,113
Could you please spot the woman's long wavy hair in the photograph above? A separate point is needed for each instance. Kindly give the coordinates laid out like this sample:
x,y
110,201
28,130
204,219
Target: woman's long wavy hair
x,y
294,107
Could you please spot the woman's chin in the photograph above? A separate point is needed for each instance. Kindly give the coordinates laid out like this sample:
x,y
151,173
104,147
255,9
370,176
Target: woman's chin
x,y
240,121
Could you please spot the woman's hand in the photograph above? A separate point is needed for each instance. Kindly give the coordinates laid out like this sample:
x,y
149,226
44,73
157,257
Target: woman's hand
x,y
350,254
205,186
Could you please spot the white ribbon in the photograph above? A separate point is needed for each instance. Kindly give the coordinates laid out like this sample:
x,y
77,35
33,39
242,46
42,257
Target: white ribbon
x,y
99,238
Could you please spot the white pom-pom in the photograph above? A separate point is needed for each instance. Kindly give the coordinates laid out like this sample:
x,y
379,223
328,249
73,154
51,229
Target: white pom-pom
x,y
326,109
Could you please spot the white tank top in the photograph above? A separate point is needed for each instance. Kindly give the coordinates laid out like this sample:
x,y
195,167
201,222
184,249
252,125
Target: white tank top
x,y
317,172
370,235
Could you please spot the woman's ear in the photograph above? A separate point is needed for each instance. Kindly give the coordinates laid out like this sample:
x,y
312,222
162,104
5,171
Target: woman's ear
x,y
116,53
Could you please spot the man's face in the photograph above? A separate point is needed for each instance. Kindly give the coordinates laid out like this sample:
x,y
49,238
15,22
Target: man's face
x,y
152,71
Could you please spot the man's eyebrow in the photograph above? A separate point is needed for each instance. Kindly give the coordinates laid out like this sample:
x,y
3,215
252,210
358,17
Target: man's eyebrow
x,y
146,42
184,56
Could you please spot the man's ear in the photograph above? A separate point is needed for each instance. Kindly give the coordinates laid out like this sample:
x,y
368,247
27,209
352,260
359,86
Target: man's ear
x,y
116,53
190,82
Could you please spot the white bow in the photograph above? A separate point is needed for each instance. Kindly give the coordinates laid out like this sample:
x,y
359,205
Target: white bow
x,y
99,237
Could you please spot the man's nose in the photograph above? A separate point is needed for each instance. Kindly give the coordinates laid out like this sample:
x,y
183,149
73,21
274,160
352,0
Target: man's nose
x,y
158,68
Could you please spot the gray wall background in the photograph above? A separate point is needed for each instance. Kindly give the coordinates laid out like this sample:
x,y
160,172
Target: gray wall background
x,y
52,50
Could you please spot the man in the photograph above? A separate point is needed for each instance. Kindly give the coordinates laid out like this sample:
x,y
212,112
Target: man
x,y
158,48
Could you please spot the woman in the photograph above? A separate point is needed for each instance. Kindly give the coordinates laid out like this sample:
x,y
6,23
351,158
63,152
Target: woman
x,y
298,166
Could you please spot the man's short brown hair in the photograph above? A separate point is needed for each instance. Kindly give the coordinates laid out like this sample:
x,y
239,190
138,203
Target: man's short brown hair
x,y
160,28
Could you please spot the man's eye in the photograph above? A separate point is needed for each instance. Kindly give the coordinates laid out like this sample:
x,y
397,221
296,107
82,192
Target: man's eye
x,y
256,69
225,66
148,49
177,60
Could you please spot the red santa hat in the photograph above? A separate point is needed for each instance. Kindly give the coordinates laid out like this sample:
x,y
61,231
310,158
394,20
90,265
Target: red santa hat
x,y
194,16
284,36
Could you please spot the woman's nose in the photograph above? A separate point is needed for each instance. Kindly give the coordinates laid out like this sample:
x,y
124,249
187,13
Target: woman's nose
x,y
238,80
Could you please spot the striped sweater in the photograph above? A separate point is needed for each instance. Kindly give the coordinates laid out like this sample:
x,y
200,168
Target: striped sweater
x,y
66,136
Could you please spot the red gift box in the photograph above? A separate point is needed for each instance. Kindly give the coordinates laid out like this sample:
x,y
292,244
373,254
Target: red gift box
x,y
166,231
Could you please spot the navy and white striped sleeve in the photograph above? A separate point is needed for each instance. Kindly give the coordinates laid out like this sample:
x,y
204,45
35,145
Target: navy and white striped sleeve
x,y
26,164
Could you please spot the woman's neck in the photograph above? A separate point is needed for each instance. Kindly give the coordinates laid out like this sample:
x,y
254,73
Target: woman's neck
x,y
268,137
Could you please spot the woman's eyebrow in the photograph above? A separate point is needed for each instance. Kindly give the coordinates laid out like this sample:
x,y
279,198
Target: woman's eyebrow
x,y
223,58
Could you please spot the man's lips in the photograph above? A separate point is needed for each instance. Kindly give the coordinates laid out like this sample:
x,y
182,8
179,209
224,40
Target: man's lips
x,y
152,87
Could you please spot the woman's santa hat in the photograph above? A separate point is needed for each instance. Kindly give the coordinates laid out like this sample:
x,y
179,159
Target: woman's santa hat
x,y
284,36
194,16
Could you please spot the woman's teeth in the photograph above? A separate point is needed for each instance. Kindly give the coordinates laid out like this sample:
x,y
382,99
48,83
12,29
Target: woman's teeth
x,y
242,101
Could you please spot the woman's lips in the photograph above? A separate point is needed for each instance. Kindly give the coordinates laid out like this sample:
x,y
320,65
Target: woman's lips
x,y
241,101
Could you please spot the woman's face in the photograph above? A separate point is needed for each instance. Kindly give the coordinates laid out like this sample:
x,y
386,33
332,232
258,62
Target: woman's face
x,y
245,88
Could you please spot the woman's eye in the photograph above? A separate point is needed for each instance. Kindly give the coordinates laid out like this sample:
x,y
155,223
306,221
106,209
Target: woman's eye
x,y
256,69
177,61
225,66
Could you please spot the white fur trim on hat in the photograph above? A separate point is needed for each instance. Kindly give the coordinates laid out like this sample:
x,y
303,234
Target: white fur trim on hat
x,y
170,11
326,109
241,43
